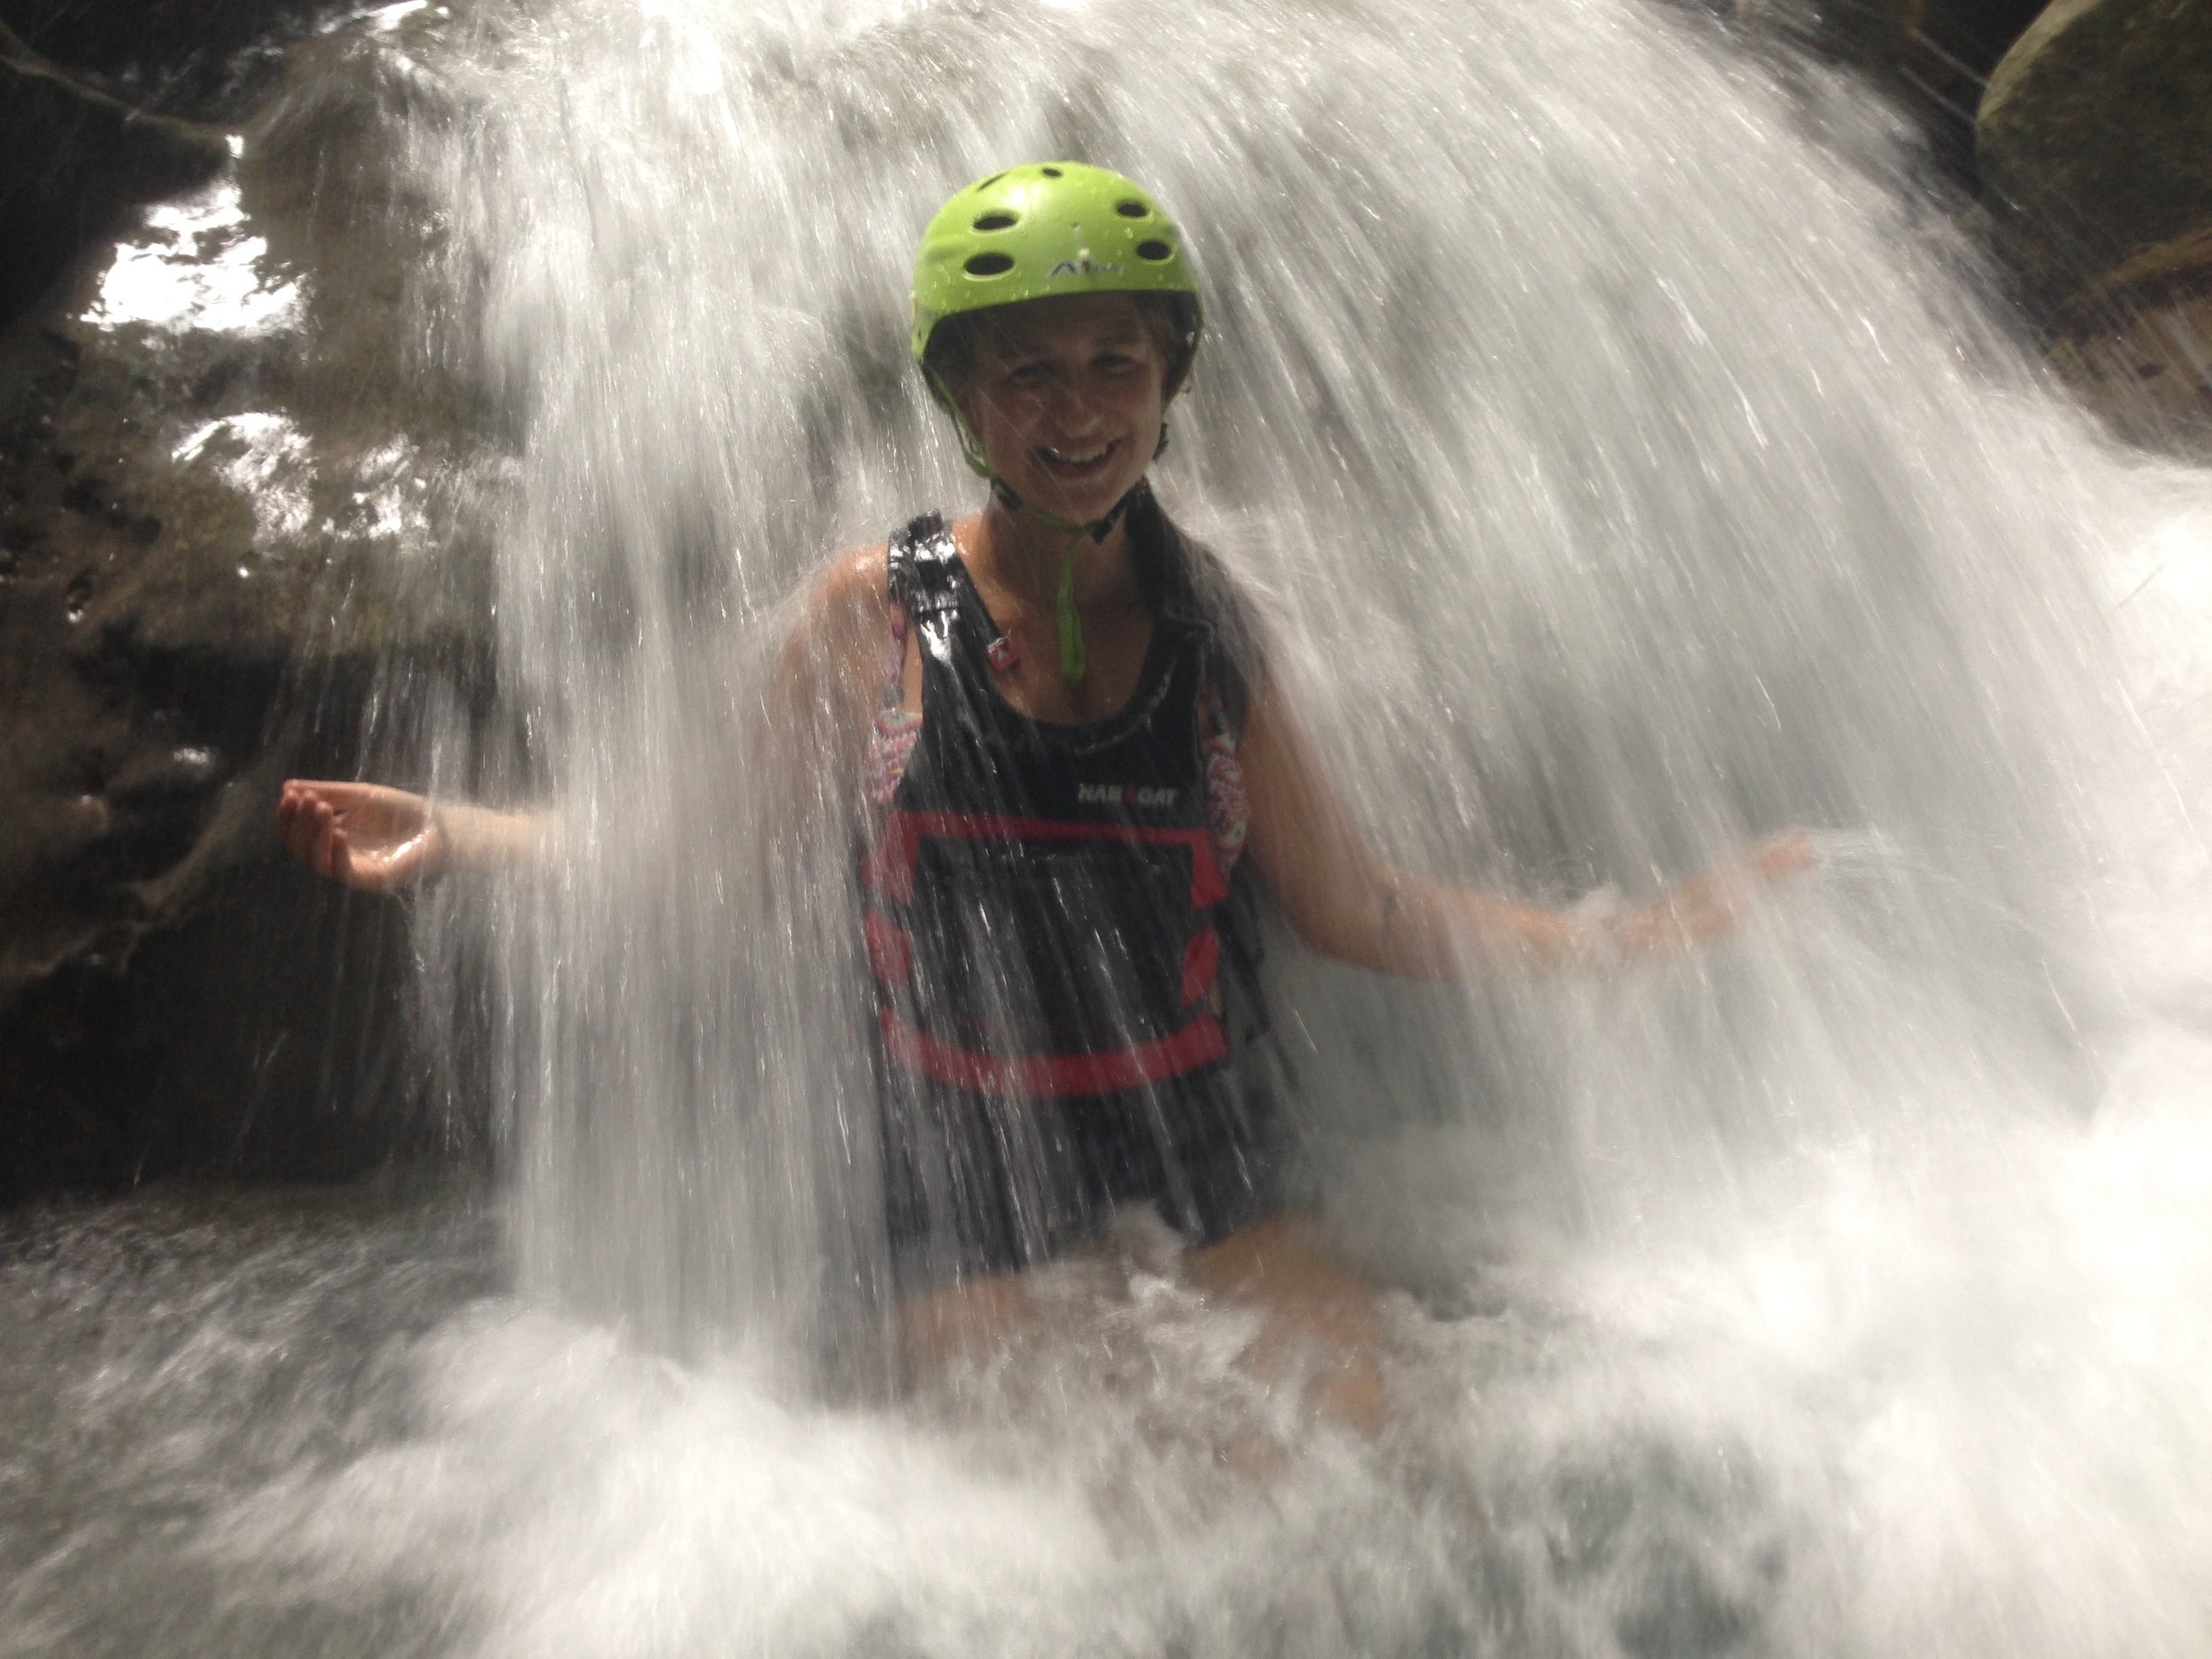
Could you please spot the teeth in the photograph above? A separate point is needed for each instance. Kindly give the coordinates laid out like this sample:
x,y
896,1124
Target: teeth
x,y
1076,460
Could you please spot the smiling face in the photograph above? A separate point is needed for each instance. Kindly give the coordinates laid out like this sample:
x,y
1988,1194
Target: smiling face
x,y
1067,397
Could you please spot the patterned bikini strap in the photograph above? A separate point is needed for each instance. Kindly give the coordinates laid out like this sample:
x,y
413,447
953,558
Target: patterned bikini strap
x,y
923,565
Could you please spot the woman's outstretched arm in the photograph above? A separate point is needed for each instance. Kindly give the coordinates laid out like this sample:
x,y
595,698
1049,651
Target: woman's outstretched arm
x,y
378,839
1347,903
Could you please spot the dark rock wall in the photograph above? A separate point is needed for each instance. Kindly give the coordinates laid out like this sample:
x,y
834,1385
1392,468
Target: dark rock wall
x,y
76,159
240,539
103,106
210,60
2075,136
173,993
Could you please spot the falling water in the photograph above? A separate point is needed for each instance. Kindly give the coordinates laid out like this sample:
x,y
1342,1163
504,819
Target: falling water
x,y
1621,479
1607,422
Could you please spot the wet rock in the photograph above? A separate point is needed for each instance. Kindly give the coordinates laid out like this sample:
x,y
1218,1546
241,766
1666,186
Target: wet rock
x,y
104,106
218,486
1939,58
77,157
2094,138
204,60
2138,347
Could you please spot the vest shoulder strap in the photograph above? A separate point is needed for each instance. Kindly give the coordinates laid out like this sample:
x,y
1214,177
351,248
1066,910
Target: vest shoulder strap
x,y
922,559
923,566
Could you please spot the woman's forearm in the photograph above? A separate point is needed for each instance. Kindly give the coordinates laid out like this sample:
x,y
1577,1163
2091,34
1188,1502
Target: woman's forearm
x,y
482,839
1393,921
1424,929
1347,903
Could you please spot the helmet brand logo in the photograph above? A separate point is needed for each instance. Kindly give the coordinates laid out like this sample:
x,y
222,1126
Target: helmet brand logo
x,y
1083,268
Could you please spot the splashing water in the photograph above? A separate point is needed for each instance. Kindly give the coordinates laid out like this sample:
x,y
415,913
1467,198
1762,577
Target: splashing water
x,y
1585,448
1611,431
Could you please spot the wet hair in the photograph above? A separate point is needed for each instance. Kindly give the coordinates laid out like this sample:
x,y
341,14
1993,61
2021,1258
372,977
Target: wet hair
x,y
1174,572
953,344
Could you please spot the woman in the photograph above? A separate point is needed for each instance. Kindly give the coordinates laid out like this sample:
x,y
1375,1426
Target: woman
x,y
1062,726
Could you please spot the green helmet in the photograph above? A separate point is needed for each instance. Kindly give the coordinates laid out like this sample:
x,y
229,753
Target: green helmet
x,y
1048,228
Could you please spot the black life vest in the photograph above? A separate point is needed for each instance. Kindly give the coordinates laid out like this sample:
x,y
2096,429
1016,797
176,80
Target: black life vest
x,y
1042,900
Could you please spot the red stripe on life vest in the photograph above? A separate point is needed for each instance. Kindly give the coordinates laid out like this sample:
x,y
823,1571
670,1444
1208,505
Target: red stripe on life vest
x,y
1040,1077
889,869
890,950
1201,960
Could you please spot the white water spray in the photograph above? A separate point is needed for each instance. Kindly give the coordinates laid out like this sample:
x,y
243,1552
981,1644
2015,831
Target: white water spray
x,y
1623,470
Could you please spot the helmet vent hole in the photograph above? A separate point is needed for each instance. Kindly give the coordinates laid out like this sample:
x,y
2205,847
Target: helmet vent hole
x,y
1132,210
1155,250
989,264
988,182
997,221
1049,172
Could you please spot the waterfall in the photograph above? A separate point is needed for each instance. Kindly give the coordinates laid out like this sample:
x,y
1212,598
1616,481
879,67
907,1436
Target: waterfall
x,y
1608,426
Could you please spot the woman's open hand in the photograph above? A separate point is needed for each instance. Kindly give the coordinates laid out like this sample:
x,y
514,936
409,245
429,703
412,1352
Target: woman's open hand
x,y
1711,907
364,834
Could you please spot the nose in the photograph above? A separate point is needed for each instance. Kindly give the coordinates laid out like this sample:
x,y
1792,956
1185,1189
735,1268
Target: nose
x,y
1072,408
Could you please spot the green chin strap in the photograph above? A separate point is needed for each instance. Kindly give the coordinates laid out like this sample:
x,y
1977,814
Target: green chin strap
x,y
1073,662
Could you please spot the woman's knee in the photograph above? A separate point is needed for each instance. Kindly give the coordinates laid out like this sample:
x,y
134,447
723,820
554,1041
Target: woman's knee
x,y
940,1329
1320,1321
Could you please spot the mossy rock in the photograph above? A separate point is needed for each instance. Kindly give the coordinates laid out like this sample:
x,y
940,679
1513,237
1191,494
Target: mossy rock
x,y
2137,346
2094,138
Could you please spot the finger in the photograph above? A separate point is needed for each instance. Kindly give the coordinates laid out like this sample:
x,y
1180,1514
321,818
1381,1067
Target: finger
x,y
299,839
298,800
328,839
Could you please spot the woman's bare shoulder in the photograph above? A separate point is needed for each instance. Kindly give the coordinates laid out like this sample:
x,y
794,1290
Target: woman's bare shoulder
x,y
849,593
855,577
